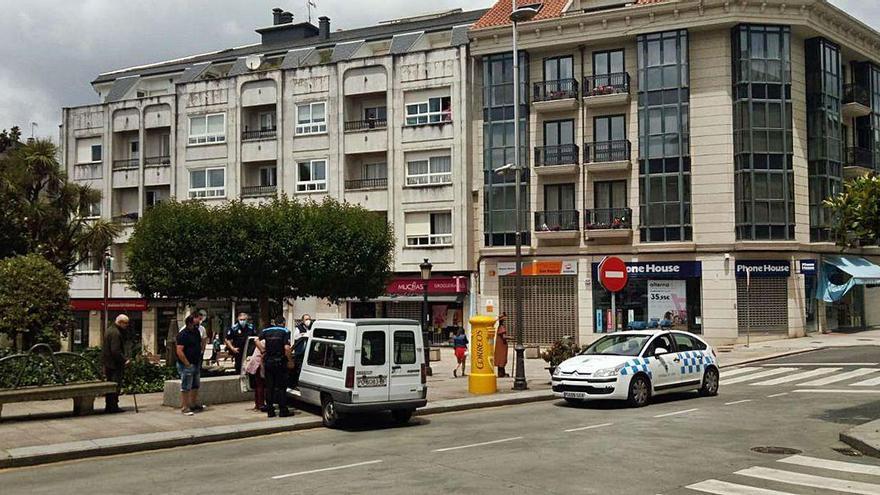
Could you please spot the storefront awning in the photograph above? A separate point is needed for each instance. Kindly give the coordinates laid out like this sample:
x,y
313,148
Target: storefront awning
x,y
860,271
432,299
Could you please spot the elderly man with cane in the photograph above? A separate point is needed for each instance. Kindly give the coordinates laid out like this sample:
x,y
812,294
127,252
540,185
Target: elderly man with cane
x,y
114,360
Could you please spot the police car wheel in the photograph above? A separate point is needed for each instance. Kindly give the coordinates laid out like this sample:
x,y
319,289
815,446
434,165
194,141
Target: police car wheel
x,y
329,416
639,391
402,416
710,383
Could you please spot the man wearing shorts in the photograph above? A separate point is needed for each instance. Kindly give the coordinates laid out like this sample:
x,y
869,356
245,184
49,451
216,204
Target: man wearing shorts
x,y
189,350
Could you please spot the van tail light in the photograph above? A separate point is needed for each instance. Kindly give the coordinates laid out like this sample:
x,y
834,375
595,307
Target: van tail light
x,y
424,373
349,377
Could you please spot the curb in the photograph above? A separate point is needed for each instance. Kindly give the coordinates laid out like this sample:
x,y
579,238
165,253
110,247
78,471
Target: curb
x,y
854,438
771,356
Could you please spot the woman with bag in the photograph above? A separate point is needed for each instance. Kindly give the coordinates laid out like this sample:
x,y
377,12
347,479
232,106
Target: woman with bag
x,y
254,370
501,346
460,344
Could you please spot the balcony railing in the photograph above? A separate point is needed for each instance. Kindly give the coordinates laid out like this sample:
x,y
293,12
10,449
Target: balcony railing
x,y
555,90
557,221
607,151
563,154
260,134
356,184
856,93
157,161
128,164
88,171
255,191
126,218
608,218
366,125
859,157
606,84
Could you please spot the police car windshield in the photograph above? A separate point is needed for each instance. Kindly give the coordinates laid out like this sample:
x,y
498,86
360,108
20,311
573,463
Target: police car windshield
x,y
617,345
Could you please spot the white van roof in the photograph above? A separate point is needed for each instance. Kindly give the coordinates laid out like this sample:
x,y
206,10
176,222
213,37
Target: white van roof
x,y
365,322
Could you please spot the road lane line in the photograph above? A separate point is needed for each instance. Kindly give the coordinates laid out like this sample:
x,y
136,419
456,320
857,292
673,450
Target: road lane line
x,y
738,371
811,480
797,376
493,442
323,470
755,376
777,395
847,467
724,488
871,382
840,377
819,364
737,402
834,391
589,427
676,413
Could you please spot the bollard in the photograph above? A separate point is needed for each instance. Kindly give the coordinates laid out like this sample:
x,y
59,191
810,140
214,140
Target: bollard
x,y
482,378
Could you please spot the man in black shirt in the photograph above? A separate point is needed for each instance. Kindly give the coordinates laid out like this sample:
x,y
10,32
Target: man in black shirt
x,y
189,352
236,338
274,343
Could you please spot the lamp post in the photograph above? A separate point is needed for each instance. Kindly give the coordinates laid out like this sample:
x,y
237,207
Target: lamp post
x,y
107,268
426,316
516,16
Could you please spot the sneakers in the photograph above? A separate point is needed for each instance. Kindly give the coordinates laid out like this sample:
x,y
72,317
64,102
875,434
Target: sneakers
x,y
188,413
455,373
198,408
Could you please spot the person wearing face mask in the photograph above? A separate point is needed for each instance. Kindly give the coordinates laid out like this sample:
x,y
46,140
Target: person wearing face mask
x,y
236,338
300,341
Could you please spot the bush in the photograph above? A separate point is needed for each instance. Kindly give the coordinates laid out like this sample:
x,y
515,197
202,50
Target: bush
x,y
34,301
560,351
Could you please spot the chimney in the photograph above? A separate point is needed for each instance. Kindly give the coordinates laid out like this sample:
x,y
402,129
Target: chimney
x,y
285,18
276,16
324,27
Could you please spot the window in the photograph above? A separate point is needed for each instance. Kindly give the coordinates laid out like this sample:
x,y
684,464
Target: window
x,y
609,194
134,149
431,171
92,210
153,198
558,68
268,176
662,341
610,62
433,111
404,347
558,197
165,145
688,343
207,183
311,118
92,264
311,176
373,348
267,121
327,355
375,113
97,153
375,171
206,129
328,334
428,229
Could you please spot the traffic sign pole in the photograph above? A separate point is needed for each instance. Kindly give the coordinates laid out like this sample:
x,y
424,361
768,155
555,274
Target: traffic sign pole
x,y
613,276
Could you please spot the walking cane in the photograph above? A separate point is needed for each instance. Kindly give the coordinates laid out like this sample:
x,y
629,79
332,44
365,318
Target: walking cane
x,y
134,395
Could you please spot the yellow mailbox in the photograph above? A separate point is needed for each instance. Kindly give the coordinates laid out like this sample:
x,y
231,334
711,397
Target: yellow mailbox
x,y
482,378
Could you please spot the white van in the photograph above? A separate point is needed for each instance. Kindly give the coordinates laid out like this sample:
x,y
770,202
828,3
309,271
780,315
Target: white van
x,y
364,365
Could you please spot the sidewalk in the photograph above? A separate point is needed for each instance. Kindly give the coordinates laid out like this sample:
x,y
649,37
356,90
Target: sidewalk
x,y
43,431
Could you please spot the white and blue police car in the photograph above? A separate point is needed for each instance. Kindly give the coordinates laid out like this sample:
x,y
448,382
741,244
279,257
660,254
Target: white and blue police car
x,y
635,365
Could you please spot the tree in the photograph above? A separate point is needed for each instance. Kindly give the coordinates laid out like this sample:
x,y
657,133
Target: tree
x,y
9,138
34,301
42,209
856,212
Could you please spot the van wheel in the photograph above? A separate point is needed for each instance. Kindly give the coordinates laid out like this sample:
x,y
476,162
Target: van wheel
x,y
329,416
710,383
639,391
402,416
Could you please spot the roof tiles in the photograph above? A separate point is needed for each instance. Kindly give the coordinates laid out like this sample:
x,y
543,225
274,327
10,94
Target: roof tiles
x,y
499,14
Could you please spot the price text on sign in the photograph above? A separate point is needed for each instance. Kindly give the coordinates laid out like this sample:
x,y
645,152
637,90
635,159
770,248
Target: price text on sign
x,y
612,274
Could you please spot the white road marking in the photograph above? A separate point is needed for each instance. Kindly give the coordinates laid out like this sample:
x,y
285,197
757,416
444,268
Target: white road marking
x,y
847,467
323,470
755,376
834,391
811,480
777,395
798,376
840,377
819,364
447,449
738,371
737,402
724,488
676,413
591,427
871,382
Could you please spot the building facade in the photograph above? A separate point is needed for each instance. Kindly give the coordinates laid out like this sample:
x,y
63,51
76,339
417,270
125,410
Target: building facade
x,y
694,139
376,116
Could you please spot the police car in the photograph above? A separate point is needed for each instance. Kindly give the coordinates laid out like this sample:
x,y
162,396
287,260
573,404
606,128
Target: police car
x,y
635,365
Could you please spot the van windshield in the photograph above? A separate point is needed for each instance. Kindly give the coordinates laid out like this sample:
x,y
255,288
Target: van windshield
x,y
617,345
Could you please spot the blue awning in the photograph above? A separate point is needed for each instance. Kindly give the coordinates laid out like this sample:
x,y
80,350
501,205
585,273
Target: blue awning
x,y
860,271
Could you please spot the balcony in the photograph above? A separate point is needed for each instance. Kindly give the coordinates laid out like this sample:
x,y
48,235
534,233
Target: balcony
x,y
365,184
554,96
608,223
608,156
856,101
606,90
258,191
259,135
88,171
126,219
157,161
127,164
559,224
858,162
557,160
365,125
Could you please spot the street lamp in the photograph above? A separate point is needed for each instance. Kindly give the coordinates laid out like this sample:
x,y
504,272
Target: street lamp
x,y
426,315
107,268
518,15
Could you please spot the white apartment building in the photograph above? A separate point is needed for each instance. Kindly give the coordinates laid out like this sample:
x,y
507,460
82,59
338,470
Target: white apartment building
x,y
377,116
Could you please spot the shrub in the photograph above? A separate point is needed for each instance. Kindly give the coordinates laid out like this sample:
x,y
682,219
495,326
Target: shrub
x,y
560,351
34,301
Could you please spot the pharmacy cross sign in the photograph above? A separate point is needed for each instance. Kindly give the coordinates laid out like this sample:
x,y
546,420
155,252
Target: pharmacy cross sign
x,y
612,274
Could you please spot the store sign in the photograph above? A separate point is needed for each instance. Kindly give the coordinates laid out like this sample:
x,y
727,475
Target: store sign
x,y
448,285
661,269
540,267
763,269
808,267
667,300
97,304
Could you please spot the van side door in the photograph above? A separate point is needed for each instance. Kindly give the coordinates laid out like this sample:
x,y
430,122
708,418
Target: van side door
x,y
406,363
371,364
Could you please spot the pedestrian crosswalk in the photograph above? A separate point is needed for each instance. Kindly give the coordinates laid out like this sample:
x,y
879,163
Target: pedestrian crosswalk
x,y
796,475
802,377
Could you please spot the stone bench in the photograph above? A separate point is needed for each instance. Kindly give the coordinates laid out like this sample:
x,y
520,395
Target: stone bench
x,y
83,394
212,390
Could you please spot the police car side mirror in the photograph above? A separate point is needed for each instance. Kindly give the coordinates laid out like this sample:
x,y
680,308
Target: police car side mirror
x,y
660,350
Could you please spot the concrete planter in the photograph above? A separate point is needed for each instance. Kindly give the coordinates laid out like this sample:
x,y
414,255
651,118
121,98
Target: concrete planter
x,y
213,390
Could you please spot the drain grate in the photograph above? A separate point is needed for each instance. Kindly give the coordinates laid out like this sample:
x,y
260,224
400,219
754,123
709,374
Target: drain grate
x,y
865,340
776,450
848,451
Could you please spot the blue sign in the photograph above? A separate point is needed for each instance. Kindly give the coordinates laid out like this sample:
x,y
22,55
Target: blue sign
x,y
809,267
763,268
660,269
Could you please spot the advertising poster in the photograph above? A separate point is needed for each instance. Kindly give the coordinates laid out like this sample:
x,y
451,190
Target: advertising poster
x,y
667,300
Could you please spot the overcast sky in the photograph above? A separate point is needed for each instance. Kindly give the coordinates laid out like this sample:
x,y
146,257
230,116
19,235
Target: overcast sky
x,y
52,49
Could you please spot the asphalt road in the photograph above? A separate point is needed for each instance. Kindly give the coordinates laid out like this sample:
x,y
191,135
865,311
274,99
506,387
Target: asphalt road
x,y
679,444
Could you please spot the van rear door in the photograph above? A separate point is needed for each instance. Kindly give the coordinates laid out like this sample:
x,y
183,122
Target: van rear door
x,y
371,363
406,364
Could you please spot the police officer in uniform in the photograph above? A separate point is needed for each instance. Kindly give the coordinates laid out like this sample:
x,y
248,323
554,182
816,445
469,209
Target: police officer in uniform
x,y
237,337
274,343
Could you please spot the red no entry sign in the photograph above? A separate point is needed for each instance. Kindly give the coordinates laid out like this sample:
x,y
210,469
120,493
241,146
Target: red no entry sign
x,y
612,274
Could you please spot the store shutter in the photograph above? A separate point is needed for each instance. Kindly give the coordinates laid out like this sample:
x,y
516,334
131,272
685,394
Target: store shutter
x,y
549,307
764,308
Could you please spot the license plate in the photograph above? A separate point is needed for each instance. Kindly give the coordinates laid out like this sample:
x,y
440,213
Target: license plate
x,y
574,395
371,381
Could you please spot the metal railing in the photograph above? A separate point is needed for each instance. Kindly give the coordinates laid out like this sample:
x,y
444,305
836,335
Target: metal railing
x,y
365,125
157,161
562,154
856,93
260,134
606,84
126,218
608,218
355,184
253,191
127,164
859,157
555,90
557,221
607,151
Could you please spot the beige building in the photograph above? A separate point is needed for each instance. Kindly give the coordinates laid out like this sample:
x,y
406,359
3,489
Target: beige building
x,y
694,139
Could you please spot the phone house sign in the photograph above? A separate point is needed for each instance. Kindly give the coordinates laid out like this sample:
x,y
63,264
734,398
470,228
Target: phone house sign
x,y
763,268
661,269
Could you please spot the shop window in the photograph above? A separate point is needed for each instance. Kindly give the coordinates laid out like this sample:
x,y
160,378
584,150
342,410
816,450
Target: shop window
x,y
373,348
647,303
